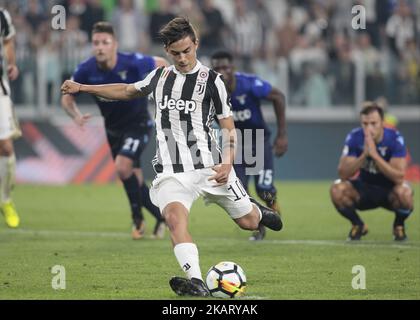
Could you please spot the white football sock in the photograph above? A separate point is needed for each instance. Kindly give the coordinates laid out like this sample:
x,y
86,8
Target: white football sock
x,y
187,256
7,176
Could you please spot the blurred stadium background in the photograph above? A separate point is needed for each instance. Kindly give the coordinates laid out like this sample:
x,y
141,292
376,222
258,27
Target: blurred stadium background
x,y
307,48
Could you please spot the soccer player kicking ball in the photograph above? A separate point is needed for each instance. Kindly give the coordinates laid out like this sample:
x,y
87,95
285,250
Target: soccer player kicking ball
x,y
188,163
379,154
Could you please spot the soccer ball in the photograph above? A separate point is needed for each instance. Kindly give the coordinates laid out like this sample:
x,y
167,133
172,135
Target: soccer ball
x,y
226,280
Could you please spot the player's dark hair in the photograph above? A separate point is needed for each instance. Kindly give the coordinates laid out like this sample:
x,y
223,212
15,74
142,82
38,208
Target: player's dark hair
x,y
103,27
368,107
177,29
222,54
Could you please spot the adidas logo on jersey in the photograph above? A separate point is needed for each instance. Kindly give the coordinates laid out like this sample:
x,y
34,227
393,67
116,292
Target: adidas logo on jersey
x,y
181,105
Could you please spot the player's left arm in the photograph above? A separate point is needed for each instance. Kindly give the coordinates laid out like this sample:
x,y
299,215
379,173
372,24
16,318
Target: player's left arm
x,y
279,104
10,56
114,91
229,138
223,107
395,168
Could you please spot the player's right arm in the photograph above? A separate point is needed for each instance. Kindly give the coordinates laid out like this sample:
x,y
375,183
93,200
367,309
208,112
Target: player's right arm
x,y
113,91
349,166
116,91
351,160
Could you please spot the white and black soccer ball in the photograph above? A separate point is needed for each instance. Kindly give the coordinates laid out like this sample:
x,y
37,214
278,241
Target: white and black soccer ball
x,y
226,280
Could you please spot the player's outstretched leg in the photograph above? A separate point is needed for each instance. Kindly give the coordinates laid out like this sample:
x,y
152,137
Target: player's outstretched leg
x,y
271,202
269,218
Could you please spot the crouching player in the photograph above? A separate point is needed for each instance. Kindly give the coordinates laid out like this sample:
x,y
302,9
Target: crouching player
x,y
378,154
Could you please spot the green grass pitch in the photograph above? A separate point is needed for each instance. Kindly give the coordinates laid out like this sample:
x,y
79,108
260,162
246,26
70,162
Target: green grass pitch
x,y
86,229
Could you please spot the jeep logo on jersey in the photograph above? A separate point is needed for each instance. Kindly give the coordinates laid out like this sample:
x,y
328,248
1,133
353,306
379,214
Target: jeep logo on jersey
x,y
181,105
242,115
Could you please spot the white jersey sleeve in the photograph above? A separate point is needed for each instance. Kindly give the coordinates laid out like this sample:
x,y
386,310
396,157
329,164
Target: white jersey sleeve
x,y
148,84
7,30
221,99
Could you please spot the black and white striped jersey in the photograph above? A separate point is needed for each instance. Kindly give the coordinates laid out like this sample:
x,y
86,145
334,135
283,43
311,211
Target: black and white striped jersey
x,y
7,31
186,105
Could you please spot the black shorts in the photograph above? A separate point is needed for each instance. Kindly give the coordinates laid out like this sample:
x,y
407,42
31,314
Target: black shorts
x,y
372,196
130,142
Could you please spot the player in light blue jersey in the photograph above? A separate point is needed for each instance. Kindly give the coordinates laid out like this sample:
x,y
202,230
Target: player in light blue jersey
x,y
247,91
377,155
127,123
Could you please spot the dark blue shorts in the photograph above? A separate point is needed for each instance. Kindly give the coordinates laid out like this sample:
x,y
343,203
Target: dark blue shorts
x,y
264,180
130,142
372,196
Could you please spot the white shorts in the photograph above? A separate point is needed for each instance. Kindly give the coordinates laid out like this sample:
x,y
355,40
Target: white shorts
x,y
186,187
9,127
